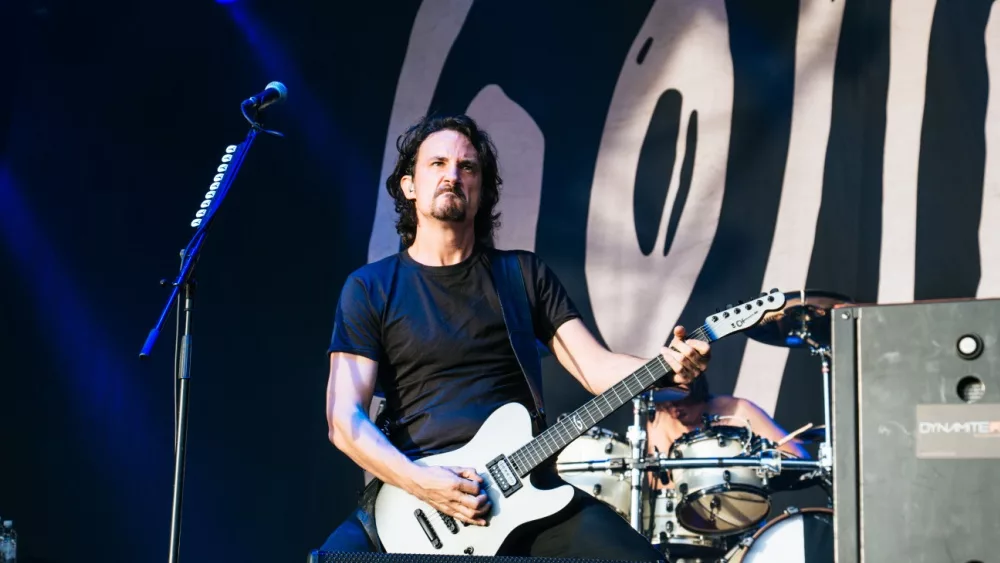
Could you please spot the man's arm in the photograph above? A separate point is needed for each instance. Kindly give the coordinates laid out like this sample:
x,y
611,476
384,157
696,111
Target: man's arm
x,y
453,491
765,426
597,368
351,385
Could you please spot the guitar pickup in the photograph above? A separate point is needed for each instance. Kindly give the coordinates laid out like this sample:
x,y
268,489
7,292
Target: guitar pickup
x,y
425,524
504,476
449,523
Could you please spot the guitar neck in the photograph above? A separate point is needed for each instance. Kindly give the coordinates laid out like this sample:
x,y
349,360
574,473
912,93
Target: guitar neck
x,y
572,426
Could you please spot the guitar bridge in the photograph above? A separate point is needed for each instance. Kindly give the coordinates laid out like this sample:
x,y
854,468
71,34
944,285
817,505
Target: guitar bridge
x,y
503,475
425,525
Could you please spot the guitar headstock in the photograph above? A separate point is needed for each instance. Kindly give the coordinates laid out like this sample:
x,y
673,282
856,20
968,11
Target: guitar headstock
x,y
747,314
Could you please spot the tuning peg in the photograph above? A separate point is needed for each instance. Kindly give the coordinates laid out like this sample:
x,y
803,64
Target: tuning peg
x,y
774,290
762,294
729,305
740,302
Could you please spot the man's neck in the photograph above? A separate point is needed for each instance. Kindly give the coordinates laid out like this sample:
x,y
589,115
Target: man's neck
x,y
442,247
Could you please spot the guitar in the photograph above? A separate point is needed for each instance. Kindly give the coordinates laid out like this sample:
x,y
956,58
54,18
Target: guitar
x,y
504,454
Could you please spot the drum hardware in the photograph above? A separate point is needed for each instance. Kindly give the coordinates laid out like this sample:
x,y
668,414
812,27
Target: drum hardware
x,y
804,322
825,449
770,465
636,435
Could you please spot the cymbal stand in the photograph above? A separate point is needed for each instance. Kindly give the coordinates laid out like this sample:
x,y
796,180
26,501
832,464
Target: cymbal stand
x,y
636,436
825,449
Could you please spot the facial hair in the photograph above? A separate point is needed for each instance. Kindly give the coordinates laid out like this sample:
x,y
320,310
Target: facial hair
x,y
451,208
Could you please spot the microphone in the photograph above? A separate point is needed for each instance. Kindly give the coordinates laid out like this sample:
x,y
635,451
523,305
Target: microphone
x,y
273,93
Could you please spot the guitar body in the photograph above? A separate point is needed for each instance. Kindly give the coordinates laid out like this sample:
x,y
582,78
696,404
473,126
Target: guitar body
x,y
506,430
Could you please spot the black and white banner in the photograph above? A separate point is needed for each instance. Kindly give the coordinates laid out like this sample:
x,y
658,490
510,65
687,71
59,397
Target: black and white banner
x,y
702,151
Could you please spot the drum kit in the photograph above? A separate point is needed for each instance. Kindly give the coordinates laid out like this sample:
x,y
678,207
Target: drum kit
x,y
721,476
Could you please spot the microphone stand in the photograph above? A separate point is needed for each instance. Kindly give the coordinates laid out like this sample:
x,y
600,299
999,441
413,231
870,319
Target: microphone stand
x,y
223,180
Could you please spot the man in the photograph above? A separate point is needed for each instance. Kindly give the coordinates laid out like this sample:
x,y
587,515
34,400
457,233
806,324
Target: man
x,y
678,413
427,326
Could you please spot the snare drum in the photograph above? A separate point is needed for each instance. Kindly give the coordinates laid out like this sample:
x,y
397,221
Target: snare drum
x,y
797,536
718,501
599,444
669,536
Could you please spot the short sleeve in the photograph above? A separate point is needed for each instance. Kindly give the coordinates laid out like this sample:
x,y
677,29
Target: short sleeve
x,y
551,304
356,326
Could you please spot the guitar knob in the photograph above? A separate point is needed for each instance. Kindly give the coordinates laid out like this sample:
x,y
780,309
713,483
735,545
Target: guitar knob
x,y
774,290
469,550
597,489
762,294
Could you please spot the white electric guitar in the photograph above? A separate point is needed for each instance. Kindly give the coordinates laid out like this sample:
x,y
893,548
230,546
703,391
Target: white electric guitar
x,y
504,454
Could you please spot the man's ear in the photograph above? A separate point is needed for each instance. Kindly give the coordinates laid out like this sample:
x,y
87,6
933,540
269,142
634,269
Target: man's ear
x,y
406,182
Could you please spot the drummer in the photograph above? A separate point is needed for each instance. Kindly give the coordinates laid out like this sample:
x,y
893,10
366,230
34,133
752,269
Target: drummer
x,y
677,414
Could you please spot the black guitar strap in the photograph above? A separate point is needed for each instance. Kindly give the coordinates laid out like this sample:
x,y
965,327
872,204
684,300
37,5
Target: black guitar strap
x,y
513,295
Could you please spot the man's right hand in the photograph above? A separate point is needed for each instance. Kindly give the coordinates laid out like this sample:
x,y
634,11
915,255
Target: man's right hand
x,y
454,491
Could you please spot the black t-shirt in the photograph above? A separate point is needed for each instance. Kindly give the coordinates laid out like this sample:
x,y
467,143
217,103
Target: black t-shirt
x,y
438,335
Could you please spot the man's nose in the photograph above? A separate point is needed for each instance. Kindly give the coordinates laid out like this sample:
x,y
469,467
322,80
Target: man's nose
x,y
451,173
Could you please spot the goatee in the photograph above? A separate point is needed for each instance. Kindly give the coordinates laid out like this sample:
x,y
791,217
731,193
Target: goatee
x,y
450,211
452,207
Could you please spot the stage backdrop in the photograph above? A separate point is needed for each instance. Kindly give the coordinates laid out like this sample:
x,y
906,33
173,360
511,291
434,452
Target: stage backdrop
x,y
664,158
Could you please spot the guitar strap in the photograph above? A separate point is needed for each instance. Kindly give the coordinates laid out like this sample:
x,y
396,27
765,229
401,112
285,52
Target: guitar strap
x,y
516,310
513,295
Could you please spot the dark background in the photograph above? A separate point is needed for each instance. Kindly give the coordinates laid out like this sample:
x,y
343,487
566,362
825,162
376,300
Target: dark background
x,y
115,116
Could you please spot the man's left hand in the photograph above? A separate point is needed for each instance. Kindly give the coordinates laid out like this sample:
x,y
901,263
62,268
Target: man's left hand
x,y
688,358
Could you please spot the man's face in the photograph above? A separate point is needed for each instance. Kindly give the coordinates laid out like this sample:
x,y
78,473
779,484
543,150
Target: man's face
x,y
446,179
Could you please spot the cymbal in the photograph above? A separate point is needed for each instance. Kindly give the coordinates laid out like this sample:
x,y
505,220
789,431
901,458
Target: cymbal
x,y
804,318
817,434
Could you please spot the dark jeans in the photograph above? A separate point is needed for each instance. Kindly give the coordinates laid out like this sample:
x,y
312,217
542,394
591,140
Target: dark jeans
x,y
586,529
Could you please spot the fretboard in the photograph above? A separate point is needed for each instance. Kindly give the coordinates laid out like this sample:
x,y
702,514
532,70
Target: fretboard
x,y
572,426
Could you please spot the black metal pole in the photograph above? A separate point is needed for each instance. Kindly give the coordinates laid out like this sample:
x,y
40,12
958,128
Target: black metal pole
x,y
180,448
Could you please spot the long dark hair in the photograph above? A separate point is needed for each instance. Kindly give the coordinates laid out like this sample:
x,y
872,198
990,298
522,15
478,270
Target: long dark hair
x,y
487,218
